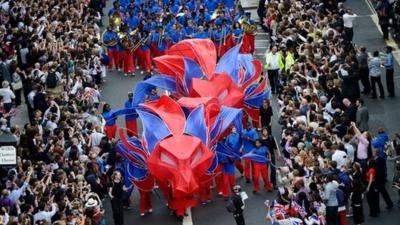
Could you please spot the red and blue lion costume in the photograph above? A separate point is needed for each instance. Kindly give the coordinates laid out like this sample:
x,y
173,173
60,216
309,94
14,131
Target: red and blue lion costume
x,y
179,143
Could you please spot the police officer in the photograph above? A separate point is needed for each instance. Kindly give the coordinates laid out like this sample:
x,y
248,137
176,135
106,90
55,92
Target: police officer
x,y
239,205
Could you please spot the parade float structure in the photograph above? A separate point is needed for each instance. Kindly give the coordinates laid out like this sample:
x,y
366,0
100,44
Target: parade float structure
x,y
179,143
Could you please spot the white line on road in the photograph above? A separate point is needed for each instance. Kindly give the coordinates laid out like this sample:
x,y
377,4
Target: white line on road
x,y
187,220
390,41
370,6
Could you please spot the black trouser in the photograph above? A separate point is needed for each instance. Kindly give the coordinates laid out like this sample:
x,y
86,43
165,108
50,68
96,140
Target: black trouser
x,y
385,30
364,76
239,218
331,215
390,81
349,34
373,201
266,125
380,186
273,79
118,211
374,81
17,94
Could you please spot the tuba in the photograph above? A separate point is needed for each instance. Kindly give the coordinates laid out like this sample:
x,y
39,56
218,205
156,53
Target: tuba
x,y
110,43
247,27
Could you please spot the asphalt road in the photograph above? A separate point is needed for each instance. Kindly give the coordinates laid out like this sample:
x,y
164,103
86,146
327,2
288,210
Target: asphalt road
x,y
383,113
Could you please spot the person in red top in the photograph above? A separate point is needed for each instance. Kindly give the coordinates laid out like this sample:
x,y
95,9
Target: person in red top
x,y
372,192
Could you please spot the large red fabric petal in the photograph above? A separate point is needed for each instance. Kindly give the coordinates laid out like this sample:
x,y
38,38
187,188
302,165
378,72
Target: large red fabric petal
x,y
171,65
220,87
200,50
170,112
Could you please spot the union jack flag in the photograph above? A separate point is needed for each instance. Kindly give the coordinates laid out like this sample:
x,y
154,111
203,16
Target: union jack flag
x,y
299,209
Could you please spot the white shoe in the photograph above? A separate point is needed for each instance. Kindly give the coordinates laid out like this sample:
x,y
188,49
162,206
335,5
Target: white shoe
x,y
150,210
141,214
137,67
141,72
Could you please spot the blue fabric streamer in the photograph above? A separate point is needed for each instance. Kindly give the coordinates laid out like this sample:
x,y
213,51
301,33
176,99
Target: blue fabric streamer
x,y
196,125
192,70
228,63
227,151
213,166
257,101
154,129
144,88
255,157
246,61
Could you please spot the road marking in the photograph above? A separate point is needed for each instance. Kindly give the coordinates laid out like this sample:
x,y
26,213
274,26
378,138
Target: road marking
x,y
187,220
261,40
390,41
261,47
370,6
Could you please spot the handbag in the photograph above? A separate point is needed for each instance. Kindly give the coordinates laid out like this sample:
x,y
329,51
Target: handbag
x,y
16,85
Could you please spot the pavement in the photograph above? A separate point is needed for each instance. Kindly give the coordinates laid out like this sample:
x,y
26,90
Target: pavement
x,y
383,113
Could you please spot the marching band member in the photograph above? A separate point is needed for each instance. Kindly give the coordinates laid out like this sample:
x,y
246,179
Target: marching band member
x,y
144,54
233,140
201,34
110,39
189,30
260,167
158,42
228,174
110,127
132,20
130,119
128,55
249,38
249,136
219,36
174,35
237,33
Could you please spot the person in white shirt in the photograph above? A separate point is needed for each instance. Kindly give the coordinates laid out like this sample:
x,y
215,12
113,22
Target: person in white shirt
x,y
340,157
272,63
8,96
349,148
42,214
96,136
348,19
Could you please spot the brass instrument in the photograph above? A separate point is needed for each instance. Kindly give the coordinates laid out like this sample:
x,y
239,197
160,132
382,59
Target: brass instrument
x,y
247,27
110,43
140,42
126,42
116,20
216,14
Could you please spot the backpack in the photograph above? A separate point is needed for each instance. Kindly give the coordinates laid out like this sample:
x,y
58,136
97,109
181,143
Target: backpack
x,y
230,206
51,80
341,197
